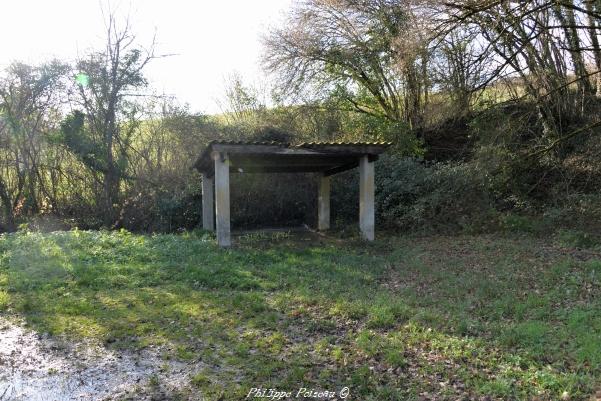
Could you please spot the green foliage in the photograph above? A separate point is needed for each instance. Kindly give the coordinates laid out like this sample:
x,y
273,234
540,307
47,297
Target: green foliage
x,y
575,211
120,162
74,136
487,312
375,128
351,54
3,300
200,380
578,239
416,194
522,224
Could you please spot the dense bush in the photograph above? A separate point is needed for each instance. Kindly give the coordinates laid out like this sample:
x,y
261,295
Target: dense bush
x,y
412,194
417,195
490,186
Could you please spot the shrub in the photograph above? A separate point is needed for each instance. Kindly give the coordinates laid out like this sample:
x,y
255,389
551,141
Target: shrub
x,y
521,224
577,239
576,211
417,195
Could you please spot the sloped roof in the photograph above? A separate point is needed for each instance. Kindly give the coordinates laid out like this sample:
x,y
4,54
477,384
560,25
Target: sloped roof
x,y
277,157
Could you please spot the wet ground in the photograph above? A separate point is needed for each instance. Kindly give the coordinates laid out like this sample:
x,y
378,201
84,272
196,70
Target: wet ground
x,y
35,367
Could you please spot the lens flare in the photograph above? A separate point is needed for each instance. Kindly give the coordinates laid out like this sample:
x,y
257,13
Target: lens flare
x,y
82,79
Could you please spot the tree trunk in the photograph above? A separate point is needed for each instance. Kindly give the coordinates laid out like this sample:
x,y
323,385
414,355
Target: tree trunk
x,y
592,23
568,21
9,217
111,175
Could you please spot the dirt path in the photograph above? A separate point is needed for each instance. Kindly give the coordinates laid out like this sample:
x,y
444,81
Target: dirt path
x,y
36,368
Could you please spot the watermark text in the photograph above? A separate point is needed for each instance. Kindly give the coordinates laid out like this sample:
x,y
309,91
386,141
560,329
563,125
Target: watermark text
x,y
300,393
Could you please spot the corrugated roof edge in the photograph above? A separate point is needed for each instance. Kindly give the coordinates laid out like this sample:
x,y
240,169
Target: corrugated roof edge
x,y
284,144
298,145
310,144
258,143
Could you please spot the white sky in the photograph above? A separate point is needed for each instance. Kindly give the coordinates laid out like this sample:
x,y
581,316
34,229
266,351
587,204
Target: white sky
x,y
211,38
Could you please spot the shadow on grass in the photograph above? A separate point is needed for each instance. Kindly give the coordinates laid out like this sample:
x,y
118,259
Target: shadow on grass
x,y
458,318
532,306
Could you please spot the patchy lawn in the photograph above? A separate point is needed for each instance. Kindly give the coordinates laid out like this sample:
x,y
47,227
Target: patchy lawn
x,y
441,318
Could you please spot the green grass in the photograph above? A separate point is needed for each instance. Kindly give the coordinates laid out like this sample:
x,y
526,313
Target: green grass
x,y
508,318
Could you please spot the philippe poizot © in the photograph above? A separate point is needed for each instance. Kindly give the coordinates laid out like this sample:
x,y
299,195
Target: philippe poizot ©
x,y
275,394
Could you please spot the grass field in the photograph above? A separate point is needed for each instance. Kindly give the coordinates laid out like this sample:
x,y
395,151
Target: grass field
x,y
441,318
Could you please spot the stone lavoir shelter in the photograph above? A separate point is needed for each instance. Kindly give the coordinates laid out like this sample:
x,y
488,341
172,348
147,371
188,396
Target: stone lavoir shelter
x,y
221,158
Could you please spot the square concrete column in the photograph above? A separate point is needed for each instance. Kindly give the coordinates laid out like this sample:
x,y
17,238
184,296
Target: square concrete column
x,y
366,198
222,199
208,210
323,204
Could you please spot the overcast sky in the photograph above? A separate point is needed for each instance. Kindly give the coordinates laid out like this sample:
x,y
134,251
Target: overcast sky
x,y
211,39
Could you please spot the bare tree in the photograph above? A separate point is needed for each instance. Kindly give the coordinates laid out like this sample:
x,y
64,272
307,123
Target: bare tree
x,y
107,83
29,101
344,44
242,101
543,42
459,71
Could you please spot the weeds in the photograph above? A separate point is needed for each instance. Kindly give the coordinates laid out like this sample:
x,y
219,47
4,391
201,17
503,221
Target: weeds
x,y
438,317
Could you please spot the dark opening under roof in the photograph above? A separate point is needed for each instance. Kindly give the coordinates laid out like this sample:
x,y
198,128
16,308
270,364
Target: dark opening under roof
x,y
275,157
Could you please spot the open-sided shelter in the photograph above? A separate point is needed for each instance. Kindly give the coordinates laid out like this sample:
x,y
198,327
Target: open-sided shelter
x,y
221,158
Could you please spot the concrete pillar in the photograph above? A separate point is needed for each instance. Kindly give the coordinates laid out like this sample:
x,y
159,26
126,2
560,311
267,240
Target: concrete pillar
x,y
208,216
323,204
366,198
222,199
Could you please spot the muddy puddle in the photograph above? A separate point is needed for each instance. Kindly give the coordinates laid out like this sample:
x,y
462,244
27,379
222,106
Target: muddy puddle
x,y
35,367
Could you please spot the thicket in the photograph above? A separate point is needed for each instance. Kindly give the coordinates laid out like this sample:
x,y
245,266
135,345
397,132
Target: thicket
x,y
492,109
